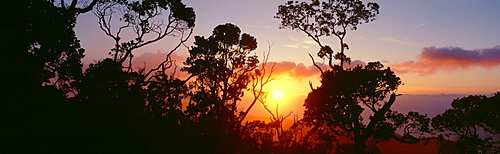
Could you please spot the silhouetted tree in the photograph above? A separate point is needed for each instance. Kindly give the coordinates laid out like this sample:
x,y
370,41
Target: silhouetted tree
x,y
49,53
40,66
163,123
327,18
149,20
138,105
222,68
258,137
107,83
112,100
343,97
472,122
345,93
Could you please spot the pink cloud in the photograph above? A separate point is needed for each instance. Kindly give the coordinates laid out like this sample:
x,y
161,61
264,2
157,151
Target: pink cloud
x,y
291,68
433,59
301,70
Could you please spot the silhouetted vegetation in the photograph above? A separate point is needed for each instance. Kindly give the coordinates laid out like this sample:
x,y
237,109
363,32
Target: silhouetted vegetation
x,y
345,94
472,123
50,104
327,18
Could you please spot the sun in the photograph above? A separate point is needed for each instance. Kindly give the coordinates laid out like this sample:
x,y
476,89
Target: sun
x,y
278,94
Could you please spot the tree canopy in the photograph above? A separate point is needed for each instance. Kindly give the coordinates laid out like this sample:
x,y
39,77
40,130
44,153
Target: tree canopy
x,y
473,122
327,18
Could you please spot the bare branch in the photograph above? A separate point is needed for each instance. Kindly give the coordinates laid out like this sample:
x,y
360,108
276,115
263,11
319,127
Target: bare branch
x,y
62,4
167,58
260,81
87,8
314,63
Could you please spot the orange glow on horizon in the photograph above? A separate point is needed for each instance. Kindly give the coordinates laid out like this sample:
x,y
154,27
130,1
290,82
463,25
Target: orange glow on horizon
x,y
288,92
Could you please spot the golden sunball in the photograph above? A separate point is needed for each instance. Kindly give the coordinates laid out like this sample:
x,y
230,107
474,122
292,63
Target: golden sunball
x,y
278,94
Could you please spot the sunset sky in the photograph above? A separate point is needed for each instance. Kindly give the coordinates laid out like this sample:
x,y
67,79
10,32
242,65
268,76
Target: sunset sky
x,y
436,47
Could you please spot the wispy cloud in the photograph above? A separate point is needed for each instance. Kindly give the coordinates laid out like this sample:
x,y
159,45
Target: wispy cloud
x,y
304,43
420,25
293,38
409,43
291,45
433,59
308,41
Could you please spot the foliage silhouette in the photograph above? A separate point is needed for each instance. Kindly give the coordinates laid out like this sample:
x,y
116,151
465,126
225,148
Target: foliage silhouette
x,y
345,93
141,106
473,122
258,137
51,48
223,69
149,20
109,101
42,66
327,18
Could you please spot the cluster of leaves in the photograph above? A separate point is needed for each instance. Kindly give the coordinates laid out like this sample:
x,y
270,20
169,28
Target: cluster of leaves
x,y
472,122
223,68
344,95
345,91
55,49
327,18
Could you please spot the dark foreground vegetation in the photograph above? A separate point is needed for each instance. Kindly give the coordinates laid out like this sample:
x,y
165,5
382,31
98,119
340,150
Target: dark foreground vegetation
x,y
49,104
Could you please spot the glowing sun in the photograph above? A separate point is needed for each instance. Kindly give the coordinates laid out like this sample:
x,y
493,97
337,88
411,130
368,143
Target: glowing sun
x,y
277,94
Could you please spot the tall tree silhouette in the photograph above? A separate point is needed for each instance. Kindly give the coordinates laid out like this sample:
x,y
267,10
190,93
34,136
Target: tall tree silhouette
x,y
111,100
126,104
42,63
222,68
345,94
472,122
327,18
51,52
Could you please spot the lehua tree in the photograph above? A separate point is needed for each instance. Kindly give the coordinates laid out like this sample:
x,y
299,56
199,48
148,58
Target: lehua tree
x,y
345,93
222,68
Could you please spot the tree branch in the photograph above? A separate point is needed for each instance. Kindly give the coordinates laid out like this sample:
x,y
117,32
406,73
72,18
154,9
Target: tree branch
x,y
168,57
260,81
88,8
379,115
314,63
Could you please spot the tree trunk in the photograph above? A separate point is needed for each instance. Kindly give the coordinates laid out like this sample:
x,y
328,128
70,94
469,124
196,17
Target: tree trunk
x,y
359,144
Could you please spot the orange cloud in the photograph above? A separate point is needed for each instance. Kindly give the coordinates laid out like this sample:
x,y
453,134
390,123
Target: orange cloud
x,y
433,59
